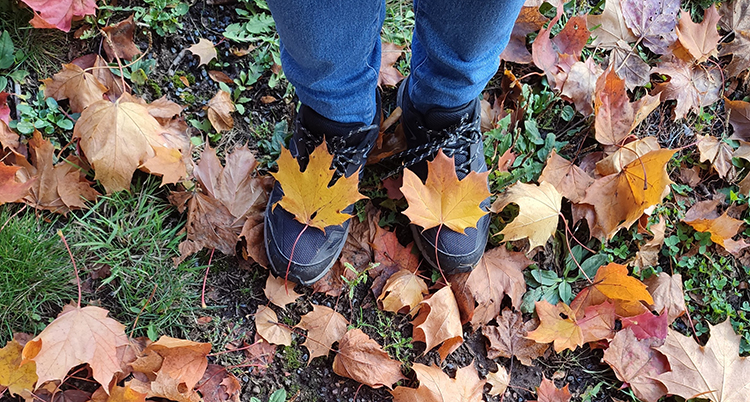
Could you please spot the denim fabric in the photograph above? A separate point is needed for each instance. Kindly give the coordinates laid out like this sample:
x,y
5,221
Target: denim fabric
x,y
330,51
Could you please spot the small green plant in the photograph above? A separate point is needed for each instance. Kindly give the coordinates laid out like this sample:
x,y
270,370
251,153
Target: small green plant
x,y
41,114
394,341
36,275
10,59
163,16
272,141
360,277
277,396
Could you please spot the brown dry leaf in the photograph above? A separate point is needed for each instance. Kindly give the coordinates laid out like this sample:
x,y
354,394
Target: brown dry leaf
x,y
652,21
19,379
498,273
77,336
8,138
12,190
610,26
616,116
363,360
718,153
555,56
636,363
499,380
693,87
436,386
253,233
629,65
205,51
548,392
183,361
626,154
404,290
389,54
443,199
539,210
219,110
700,40
739,118
648,254
667,293
81,88
580,85
119,137
227,199
391,256
620,199
529,20
439,322
121,36
508,338
116,394
218,385
307,195
735,18
58,188
280,292
267,325
590,324
324,327
715,372
703,217
569,180
219,76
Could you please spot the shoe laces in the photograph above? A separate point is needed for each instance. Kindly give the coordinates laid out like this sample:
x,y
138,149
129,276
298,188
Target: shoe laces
x,y
344,156
454,141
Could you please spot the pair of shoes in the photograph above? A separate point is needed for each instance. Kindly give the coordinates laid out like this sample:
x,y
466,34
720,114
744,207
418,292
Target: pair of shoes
x,y
456,131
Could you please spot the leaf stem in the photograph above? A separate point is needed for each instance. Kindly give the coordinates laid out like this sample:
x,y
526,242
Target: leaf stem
x,y
75,268
291,255
205,278
437,260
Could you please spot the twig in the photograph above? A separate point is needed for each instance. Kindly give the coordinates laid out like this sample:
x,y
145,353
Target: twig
x,y
148,301
75,268
11,217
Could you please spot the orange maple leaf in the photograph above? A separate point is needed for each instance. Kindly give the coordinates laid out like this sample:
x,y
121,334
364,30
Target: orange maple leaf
x,y
436,386
324,327
308,196
443,199
362,359
591,324
80,87
613,284
439,322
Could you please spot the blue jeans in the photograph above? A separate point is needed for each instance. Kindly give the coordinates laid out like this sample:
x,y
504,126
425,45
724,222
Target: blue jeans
x,y
330,51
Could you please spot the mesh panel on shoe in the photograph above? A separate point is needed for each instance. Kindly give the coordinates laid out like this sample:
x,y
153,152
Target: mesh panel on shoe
x,y
308,245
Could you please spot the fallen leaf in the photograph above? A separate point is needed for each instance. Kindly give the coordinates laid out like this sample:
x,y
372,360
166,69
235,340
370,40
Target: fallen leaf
x,y
637,364
703,217
436,386
58,188
218,385
648,325
569,180
648,253
693,87
227,199
499,380
620,199
358,356
324,327
630,66
613,284
593,323
718,153
498,273
77,336
18,378
735,18
580,85
255,247
116,394
529,20
555,56
548,392
667,294
307,195
391,256
119,137
267,325
443,199
8,138
60,13
81,88
4,108
205,51
538,212
509,338
219,110
609,28
183,361
121,36
739,118
652,21
404,290
12,190
626,154
280,292
219,76
439,322
389,54
700,40
715,372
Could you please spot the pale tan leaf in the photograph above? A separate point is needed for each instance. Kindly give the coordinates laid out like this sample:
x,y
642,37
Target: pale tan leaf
x,y
324,327
280,292
267,325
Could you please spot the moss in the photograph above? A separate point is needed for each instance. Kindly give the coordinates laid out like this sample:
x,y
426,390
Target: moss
x,y
188,98
292,358
155,88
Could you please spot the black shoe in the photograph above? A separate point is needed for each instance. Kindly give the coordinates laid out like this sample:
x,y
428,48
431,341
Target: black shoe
x,y
315,251
457,132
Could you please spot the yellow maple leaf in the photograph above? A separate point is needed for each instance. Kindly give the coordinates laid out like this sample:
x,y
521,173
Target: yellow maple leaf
x,y
18,378
538,212
307,194
443,199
